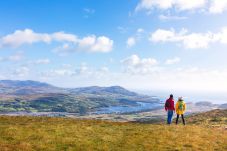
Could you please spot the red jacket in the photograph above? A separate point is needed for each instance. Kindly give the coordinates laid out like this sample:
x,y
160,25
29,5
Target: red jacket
x,y
169,105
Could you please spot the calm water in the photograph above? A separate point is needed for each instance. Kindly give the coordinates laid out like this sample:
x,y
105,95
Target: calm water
x,y
141,106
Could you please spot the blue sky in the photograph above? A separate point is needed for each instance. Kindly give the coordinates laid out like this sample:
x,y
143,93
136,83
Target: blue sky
x,y
138,44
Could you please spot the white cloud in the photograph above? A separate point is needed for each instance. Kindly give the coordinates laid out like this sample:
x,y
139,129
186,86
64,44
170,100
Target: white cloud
x,y
56,73
189,40
96,44
104,69
15,57
21,72
187,78
210,6
170,17
167,4
102,44
221,36
62,72
161,35
82,71
61,36
197,40
131,42
87,41
218,6
189,4
149,4
20,37
89,11
172,61
70,41
41,61
140,30
134,64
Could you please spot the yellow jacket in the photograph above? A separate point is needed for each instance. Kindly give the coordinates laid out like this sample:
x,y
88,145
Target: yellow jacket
x,y
180,107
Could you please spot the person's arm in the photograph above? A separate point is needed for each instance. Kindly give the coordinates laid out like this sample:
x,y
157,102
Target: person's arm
x,y
165,105
173,107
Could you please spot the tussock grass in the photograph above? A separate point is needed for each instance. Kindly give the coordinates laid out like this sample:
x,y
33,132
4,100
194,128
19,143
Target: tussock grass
x,y
43,133
217,118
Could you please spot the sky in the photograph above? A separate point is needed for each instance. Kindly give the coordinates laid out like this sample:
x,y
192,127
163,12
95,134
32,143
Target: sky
x,y
138,44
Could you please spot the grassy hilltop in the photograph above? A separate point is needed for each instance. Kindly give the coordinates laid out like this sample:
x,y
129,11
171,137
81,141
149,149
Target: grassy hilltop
x,y
43,133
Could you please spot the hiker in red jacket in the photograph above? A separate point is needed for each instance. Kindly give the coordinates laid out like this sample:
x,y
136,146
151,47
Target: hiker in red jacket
x,y
169,107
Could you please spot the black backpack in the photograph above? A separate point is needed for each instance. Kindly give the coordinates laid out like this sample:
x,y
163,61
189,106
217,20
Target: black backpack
x,y
167,104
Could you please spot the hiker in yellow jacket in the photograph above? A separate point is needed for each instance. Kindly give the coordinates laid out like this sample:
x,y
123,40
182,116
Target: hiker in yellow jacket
x,y
180,109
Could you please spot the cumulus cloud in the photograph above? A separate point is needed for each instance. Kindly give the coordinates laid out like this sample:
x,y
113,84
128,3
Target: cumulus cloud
x,y
90,44
21,72
172,61
61,36
218,6
189,40
211,6
102,44
134,64
189,5
149,4
70,41
20,37
131,42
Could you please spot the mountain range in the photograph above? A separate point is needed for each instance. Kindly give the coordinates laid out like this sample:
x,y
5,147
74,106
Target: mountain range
x,y
34,96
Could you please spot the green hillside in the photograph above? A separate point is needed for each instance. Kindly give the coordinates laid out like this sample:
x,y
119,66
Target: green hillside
x,y
34,96
43,133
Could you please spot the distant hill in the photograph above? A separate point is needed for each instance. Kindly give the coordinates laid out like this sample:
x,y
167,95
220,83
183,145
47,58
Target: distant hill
x,y
17,87
204,103
34,96
104,90
27,83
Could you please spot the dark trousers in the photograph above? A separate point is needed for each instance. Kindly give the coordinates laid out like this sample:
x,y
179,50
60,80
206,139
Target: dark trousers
x,y
182,116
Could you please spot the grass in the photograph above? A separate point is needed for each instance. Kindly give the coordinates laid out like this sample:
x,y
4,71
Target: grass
x,y
212,118
43,133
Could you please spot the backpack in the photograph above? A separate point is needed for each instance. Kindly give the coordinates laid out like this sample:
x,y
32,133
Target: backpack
x,y
181,105
167,104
